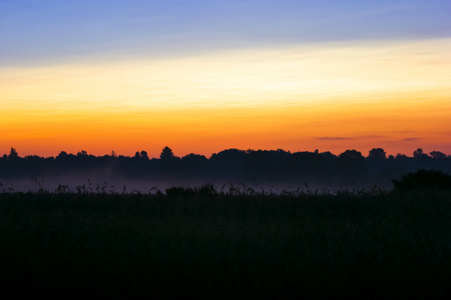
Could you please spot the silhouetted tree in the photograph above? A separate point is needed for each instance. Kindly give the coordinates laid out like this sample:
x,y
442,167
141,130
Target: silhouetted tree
x,y
141,155
33,157
351,154
234,165
377,153
195,165
166,153
195,158
437,155
228,164
328,155
376,162
13,154
400,156
307,167
423,179
144,154
419,153
351,166
259,164
82,153
63,154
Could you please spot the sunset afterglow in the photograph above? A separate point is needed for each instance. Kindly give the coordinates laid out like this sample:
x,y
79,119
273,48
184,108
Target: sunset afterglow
x,y
301,95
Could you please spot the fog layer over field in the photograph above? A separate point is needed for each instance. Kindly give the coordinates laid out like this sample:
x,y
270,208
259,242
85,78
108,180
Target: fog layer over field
x,y
96,183
273,171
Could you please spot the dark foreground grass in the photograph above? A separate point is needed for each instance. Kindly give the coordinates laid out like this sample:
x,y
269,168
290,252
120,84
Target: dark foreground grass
x,y
108,246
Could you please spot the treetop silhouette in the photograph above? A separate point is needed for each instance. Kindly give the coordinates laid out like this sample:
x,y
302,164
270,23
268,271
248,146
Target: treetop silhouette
x,y
166,153
235,165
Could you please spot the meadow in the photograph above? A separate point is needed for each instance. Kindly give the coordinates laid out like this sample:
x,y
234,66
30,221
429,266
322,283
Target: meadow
x,y
206,244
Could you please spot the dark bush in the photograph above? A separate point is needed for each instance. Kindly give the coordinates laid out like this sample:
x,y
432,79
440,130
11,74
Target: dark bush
x,y
179,191
423,179
206,190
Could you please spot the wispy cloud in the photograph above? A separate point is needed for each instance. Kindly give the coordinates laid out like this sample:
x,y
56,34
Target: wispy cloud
x,y
372,136
412,139
341,138
402,131
333,138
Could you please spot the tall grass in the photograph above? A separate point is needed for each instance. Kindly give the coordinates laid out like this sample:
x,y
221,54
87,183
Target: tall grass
x,y
220,244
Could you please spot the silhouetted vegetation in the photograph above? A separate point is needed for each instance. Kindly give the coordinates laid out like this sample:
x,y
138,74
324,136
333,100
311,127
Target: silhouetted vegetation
x,y
423,179
199,243
90,240
265,167
204,190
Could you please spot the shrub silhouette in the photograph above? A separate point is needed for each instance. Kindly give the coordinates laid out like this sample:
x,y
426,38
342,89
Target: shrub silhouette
x,y
423,179
204,190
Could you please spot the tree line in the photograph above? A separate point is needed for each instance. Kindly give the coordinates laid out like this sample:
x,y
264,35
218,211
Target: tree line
x,y
236,165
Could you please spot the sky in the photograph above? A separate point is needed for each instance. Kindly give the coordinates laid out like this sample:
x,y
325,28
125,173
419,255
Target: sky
x,y
204,76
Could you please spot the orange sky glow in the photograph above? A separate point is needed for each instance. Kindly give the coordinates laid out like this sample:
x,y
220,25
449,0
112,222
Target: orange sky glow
x,y
325,96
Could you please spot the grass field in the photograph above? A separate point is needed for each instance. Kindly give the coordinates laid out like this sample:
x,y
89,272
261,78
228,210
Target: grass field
x,y
213,245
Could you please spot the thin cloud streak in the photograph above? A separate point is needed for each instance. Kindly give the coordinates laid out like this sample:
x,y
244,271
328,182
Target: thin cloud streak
x,y
327,138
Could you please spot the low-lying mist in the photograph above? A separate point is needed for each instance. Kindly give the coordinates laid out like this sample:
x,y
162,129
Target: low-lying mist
x,y
261,171
96,182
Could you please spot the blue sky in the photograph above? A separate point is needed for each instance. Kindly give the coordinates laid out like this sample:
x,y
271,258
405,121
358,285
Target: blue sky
x,y
41,32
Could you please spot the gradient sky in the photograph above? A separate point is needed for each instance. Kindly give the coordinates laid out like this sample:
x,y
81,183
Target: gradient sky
x,y
203,76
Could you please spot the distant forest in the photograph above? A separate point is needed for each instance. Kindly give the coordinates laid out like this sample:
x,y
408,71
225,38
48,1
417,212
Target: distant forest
x,y
231,165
